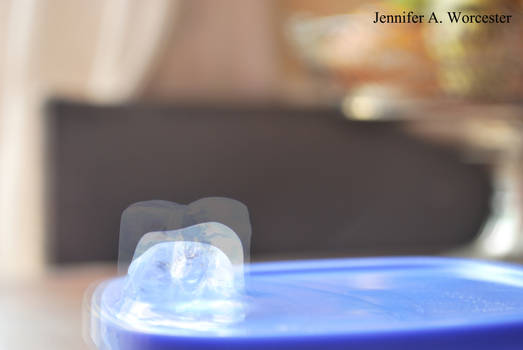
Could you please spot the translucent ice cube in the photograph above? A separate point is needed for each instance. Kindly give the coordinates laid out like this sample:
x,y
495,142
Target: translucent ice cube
x,y
182,284
212,233
157,215
181,270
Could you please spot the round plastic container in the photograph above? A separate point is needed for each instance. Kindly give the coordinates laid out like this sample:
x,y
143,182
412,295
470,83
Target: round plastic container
x,y
384,303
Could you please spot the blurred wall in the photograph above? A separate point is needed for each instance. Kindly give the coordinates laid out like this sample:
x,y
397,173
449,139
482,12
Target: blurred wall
x,y
98,51
226,51
113,52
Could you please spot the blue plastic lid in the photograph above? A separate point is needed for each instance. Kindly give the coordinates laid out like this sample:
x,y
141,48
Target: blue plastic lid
x,y
384,303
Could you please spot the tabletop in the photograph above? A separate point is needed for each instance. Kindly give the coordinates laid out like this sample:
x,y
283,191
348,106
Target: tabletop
x,y
46,313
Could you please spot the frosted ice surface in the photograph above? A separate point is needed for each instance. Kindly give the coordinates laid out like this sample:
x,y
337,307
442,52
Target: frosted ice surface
x,y
172,272
157,215
182,284
212,233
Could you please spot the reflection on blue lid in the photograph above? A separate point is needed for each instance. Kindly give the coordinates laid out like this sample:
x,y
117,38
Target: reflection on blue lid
x,y
386,303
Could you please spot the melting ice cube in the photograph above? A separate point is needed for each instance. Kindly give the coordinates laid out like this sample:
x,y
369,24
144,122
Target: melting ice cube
x,y
182,283
172,272
162,216
213,233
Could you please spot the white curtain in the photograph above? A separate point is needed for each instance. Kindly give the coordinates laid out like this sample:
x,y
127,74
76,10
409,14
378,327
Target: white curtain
x,y
97,50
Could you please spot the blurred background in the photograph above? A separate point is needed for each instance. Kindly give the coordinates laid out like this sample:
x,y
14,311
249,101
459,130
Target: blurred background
x,y
343,137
